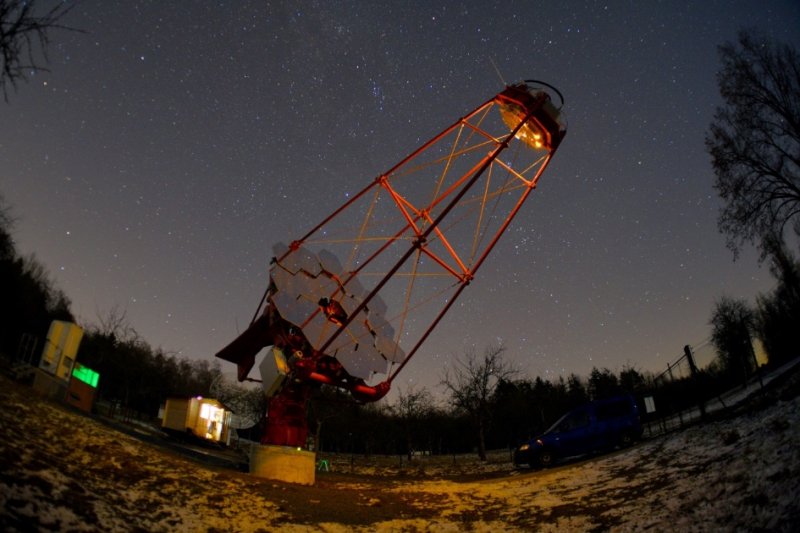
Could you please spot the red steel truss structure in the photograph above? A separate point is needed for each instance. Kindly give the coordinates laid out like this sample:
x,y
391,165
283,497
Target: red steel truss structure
x,y
357,296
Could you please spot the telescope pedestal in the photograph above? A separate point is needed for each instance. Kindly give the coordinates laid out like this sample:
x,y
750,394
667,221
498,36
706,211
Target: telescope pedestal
x,y
283,463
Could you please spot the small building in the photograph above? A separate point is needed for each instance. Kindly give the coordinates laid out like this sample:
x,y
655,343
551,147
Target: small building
x,y
82,388
202,417
60,349
59,376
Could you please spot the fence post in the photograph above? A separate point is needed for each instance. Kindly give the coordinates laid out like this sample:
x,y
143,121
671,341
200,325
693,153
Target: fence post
x,y
695,379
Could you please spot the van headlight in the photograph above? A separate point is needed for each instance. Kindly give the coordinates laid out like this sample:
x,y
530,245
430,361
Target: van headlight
x,y
524,447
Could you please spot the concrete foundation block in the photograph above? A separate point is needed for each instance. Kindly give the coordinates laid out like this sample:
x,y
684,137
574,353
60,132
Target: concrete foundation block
x,y
283,463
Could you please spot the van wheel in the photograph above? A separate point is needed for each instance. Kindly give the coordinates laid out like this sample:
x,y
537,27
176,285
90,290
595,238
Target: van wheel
x,y
545,458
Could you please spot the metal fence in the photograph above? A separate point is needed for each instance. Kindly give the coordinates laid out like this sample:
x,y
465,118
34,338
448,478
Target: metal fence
x,y
689,390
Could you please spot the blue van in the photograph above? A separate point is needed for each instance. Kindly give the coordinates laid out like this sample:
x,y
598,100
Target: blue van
x,y
598,425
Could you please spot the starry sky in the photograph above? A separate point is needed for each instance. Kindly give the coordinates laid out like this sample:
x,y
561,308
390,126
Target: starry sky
x,y
172,144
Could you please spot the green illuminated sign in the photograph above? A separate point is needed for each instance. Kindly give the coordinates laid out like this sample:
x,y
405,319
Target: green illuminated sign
x,y
85,374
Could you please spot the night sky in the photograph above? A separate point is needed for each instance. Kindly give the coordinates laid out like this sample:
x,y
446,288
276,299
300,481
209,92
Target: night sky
x,y
173,143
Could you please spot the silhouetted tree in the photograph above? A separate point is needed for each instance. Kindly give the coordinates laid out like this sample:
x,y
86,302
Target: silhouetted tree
x,y
602,384
471,383
114,323
576,391
515,412
732,325
631,380
784,268
7,250
23,36
204,373
754,140
778,313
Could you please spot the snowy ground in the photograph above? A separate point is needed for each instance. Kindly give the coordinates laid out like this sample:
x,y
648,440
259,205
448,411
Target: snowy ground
x,y
65,472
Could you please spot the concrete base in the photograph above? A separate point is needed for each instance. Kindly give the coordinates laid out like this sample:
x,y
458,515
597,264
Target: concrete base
x,y
48,385
283,463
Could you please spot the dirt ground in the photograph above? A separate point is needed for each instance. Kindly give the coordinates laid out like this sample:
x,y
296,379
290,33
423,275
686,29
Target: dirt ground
x,y
64,471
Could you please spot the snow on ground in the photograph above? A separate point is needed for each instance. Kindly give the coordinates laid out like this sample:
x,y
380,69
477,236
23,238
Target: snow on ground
x,y
739,474
61,471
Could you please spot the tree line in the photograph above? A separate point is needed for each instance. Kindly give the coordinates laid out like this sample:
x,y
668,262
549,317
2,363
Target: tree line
x,y
503,412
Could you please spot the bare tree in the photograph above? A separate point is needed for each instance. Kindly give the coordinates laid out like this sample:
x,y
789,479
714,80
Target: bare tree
x,y
413,406
754,140
24,37
247,402
115,325
471,383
